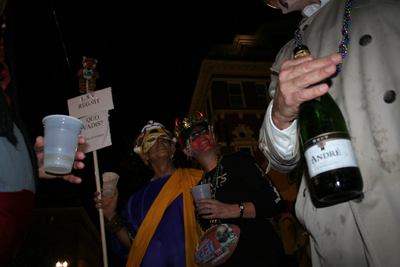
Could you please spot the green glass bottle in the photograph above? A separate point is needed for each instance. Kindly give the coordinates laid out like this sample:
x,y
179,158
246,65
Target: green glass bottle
x,y
328,151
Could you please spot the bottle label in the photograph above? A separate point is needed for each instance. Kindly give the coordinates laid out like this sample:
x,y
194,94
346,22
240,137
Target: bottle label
x,y
329,151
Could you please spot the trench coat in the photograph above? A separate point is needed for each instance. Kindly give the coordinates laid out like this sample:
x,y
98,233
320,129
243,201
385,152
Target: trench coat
x,y
363,232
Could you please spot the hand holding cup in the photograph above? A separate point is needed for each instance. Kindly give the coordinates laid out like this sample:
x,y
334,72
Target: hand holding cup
x,y
110,180
78,164
61,136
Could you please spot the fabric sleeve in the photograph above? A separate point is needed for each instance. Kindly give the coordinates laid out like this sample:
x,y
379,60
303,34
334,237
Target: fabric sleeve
x,y
282,159
265,196
117,247
284,139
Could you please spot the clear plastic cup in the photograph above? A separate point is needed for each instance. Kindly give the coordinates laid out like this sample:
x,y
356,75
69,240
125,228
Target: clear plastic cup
x,y
61,137
201,191
110,180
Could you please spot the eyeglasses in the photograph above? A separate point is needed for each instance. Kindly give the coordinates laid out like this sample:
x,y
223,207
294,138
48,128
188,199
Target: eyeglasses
x,y
200,134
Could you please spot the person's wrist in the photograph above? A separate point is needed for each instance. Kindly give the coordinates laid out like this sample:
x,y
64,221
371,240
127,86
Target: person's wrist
x,y
279,121
108,217
241,210
235,211
115,224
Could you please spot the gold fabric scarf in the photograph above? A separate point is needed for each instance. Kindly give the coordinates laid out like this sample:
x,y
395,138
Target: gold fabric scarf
x,y
180,182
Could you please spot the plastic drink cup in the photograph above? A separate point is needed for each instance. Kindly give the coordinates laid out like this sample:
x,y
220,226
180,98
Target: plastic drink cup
x,y
110,180
61,136
201,191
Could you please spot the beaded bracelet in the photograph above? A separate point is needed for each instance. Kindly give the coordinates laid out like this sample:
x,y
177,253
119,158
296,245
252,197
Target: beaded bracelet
x,y
114,225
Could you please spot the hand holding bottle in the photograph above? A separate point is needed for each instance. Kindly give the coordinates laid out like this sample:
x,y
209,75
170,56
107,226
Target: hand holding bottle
x,y
296,76
333,170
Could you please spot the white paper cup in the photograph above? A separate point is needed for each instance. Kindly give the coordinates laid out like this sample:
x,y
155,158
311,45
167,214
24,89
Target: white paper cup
x,y
200,192
110,180
61,136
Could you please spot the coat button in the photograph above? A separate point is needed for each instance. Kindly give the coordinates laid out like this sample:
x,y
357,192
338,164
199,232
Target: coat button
x,y
305,27
365,40
304,192
389,96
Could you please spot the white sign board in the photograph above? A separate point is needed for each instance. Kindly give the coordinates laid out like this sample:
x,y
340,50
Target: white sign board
x,y
96,132
90,103
92,110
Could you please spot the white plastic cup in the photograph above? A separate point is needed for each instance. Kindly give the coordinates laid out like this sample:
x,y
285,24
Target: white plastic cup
x,y
61,137
200,192
110,180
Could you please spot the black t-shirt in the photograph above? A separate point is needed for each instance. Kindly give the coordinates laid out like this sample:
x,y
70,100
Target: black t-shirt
x,y
241,179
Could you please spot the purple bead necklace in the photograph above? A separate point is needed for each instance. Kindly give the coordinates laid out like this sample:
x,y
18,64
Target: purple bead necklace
x,y
345,39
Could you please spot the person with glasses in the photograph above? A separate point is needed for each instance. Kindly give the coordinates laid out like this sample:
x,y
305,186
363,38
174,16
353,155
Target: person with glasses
x,y
242,195
158,224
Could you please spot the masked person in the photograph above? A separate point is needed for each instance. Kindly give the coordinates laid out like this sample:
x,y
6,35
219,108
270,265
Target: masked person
x,y
242,196
354,233
158,225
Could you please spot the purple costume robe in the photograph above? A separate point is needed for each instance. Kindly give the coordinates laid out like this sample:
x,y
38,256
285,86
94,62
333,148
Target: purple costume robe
x,y
167,247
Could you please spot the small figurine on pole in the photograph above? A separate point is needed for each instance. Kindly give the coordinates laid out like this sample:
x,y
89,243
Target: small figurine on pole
x,y
88,75
87,83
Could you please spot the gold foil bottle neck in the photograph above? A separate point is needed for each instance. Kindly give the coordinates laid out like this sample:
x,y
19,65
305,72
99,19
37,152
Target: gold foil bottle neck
x,y
301,51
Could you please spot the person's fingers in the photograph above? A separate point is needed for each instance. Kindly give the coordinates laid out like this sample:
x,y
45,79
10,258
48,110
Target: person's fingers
x,y
72,179
291,64
203,209
304,72
78,165
80,155
39,144
207,200
299,83
312,78
81,140
311,93
310,66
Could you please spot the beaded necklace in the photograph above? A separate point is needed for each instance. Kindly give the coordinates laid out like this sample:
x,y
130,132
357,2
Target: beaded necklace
x,y
213,185
302,50
214,181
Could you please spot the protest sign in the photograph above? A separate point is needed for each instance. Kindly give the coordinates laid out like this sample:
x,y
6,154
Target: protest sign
x,y
92,109
96,132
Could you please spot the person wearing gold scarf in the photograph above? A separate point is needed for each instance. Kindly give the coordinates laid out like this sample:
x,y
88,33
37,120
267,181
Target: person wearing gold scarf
x,y
158,225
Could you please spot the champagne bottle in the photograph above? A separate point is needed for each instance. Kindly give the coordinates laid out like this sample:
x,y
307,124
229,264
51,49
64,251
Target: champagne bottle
x,y
328,151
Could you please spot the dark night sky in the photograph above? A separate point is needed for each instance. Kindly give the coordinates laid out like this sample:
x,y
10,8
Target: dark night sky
x,y
149,52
